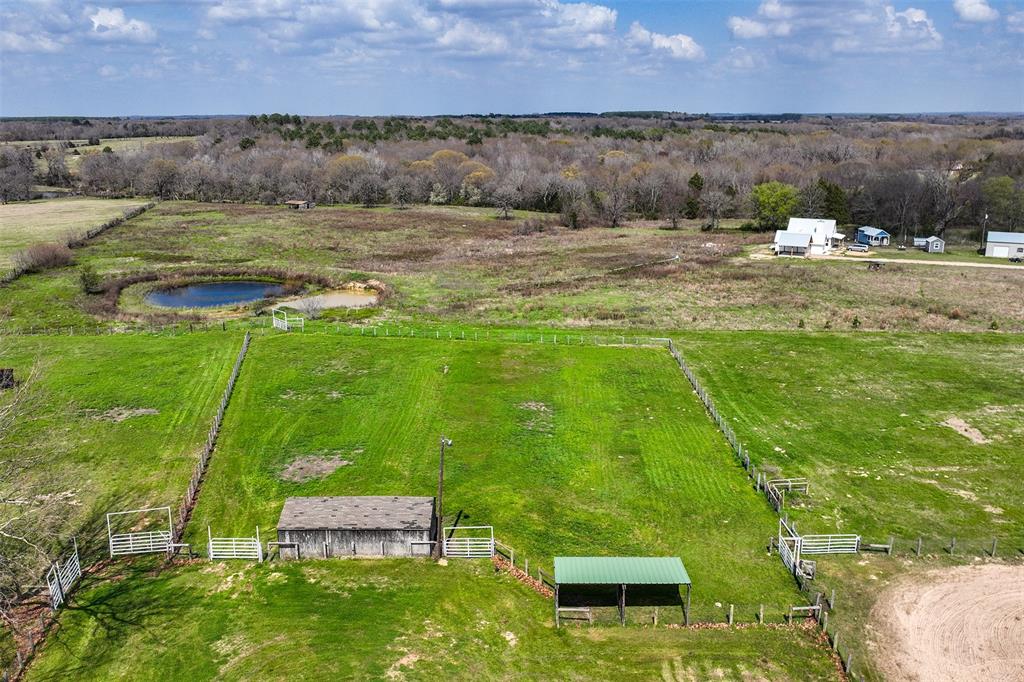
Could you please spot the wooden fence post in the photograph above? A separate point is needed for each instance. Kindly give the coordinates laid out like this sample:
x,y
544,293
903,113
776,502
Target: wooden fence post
x,y
832,600
835,641
993,552
892,542
824,622
760,614
849,662
952,546
918,546
730,614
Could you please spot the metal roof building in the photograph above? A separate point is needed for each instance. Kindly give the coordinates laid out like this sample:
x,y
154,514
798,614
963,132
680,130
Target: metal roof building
x,y
621,572
356,526
792,243
1005,245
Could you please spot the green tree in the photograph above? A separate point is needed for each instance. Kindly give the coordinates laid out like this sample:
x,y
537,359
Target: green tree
x,y
774,202
836,205
696,183
1003,202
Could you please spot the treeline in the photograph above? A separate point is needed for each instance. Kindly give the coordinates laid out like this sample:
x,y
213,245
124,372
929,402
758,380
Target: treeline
x,y
909,177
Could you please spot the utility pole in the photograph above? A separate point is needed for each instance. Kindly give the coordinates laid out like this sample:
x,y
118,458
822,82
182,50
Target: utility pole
x,y
984,230
445,443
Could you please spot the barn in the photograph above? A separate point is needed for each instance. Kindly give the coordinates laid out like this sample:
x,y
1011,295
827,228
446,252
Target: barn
x,y
363,526
1005,245
791,243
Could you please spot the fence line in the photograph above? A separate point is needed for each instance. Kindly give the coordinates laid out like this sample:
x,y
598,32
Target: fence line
x,y
192,492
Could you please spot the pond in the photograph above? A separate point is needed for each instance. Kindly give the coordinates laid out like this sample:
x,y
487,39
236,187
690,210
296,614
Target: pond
x,y
213,294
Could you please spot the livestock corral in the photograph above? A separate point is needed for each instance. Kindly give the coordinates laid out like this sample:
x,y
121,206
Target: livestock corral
x,y
275,492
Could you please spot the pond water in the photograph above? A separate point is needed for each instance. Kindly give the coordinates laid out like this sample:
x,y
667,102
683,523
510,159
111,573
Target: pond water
x,y
213,294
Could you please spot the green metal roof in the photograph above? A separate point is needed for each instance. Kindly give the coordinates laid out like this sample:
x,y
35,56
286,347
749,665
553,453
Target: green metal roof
x,y
620,570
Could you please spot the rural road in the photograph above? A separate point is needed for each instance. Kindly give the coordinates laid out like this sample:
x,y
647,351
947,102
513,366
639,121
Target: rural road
x,y
921,261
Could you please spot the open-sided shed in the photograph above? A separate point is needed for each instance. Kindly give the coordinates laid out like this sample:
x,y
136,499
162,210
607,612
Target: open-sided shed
x,y
356,526
622,572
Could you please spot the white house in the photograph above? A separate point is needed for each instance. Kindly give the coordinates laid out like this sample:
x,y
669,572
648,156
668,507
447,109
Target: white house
x,y
823,235
791,243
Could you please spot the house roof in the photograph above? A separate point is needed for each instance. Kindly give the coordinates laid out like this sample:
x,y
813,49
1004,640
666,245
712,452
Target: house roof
x,y
934,239
357,513
1007,237
811,225
873,231
797,239
586,570
297,201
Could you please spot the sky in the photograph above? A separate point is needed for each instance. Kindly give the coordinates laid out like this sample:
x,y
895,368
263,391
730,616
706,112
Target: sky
x,y
419,57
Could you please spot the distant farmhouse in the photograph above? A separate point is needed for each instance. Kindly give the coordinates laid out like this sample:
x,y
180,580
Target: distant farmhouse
x,y
299,204
1005,245
872,236
807,237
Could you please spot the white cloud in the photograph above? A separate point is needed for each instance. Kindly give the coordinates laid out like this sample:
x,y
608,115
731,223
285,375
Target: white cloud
x,y
816,28
742,59
975,10
111,24
36,42
108,71
679,46
1015,22
466,37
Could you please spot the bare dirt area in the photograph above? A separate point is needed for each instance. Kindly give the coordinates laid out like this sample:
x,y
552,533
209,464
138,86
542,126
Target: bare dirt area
x,y
312,467
966,430
963,624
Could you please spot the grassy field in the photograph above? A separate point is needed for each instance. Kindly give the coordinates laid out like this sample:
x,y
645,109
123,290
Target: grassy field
x,y
51,220
865,416
448,263
120,418
382,619
564,451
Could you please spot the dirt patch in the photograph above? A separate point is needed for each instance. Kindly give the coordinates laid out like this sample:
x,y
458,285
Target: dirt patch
x,y
407,661
966,430
964,623
311,467
119,414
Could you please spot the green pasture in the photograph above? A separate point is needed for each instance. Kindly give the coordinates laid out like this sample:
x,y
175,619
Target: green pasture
x,y
118,419
380,619
578,451
864,416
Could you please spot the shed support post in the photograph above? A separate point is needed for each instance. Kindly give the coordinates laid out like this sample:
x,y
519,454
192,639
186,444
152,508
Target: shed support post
x,y
622,604
686,608
557,624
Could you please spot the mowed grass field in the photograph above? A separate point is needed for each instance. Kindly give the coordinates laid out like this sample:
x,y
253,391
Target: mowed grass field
x,y
119,419
31,222
381,619
565,451
446,263
872,420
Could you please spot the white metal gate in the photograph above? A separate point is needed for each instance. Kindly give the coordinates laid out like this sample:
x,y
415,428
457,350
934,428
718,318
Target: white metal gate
x,y
234,548
284,323
145,542
478,545
789,547
830,544
62,576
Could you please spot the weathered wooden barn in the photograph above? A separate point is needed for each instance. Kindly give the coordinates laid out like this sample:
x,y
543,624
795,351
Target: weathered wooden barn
x,y
371,526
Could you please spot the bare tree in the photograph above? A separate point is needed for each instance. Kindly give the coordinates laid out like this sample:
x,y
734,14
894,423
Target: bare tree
x,y
312,307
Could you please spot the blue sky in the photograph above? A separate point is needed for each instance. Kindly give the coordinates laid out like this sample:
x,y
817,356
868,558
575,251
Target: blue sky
x,y
65,57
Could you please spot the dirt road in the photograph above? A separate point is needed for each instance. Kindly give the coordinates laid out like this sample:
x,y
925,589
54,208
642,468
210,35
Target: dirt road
x,y
964,624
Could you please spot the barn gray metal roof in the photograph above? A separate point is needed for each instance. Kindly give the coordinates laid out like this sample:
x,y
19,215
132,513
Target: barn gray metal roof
x,y
620,570
1006,237
357,513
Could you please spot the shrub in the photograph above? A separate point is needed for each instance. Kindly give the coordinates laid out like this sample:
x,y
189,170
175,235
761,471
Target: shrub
x,y
856,322
42,256
90,280
531,226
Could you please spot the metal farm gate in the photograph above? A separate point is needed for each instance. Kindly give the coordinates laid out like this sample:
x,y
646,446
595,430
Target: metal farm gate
x,y
470,546
789,547
62,577
830,544
284,323
145,542
234,548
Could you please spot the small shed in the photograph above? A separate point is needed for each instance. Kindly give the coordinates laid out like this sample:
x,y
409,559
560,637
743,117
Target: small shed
x,y
872,236
299,204
370,526
655,580
935,245
791,243
1005,245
